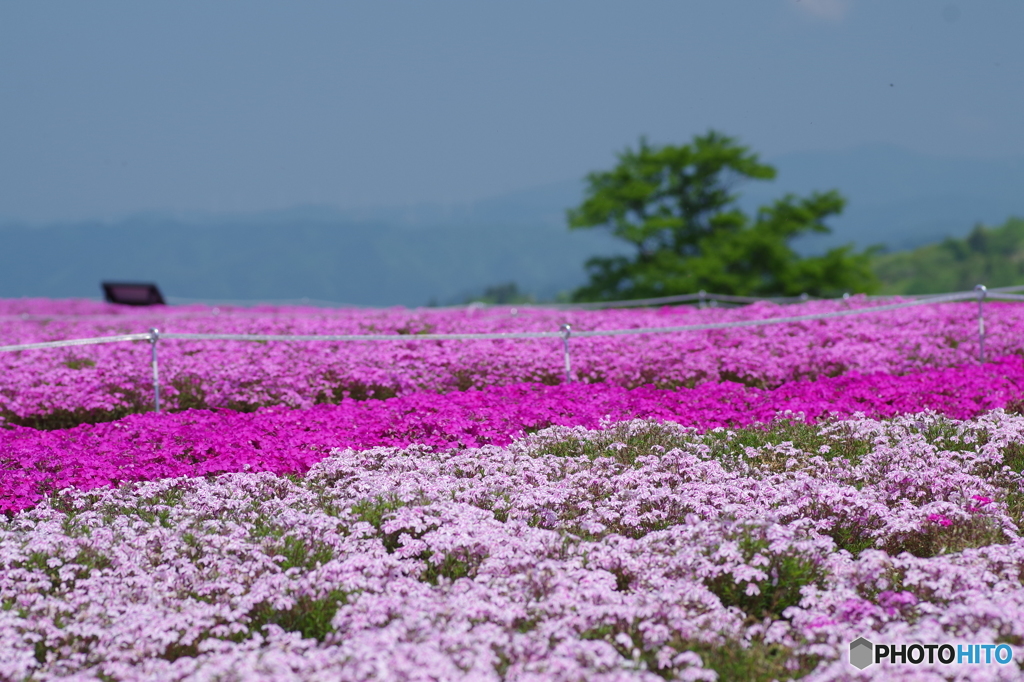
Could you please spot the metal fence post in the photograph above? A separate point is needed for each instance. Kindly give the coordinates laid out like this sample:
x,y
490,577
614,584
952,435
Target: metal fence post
x,y
566,332
982,291
702,299
154,336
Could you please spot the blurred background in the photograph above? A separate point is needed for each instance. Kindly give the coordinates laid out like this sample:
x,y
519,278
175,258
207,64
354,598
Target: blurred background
x,y
414,154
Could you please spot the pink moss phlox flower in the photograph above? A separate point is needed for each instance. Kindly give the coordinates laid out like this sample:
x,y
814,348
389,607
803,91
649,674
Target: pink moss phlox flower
x,y
202,442
116,377
894,602
554,557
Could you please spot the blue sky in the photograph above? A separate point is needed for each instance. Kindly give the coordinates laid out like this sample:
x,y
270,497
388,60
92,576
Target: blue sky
x,y
110,108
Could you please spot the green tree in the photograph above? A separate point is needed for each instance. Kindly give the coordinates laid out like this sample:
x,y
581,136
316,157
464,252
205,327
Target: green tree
x,y
993,256
677,206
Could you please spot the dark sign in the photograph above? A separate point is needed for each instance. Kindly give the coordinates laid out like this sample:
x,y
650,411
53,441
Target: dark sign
x,y
131,293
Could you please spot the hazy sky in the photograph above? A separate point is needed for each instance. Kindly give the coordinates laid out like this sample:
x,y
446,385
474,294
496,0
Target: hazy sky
x,y
108,108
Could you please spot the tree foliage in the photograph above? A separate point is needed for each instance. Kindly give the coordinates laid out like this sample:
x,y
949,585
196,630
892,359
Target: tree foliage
x,y
677,206
993,256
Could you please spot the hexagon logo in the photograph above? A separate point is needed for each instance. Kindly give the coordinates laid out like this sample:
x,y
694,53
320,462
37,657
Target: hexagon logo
x,y
862,653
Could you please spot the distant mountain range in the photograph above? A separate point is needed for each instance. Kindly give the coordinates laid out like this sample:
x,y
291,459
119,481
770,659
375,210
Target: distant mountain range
x,y
294,254
421,254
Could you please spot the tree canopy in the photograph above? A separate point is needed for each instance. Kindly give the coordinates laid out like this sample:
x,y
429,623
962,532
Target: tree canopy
x,y
993,256
677,206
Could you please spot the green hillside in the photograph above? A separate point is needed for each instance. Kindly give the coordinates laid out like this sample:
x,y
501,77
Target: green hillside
x,y
993,256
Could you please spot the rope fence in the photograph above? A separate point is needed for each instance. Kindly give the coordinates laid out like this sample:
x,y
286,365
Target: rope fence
x,y
154,336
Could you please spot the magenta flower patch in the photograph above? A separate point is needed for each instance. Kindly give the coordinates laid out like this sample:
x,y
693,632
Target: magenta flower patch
x,y
109,380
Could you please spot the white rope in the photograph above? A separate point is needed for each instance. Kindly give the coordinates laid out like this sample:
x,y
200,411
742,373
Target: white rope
x,y
76,342
494,336
628,303
154,335
360,337
681,298
781,320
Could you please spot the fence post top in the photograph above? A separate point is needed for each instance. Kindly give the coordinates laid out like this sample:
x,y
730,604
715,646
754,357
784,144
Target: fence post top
x,y
566,330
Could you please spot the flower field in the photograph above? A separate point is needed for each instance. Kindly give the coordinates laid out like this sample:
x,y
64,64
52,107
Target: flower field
x,y
729,504
90,383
